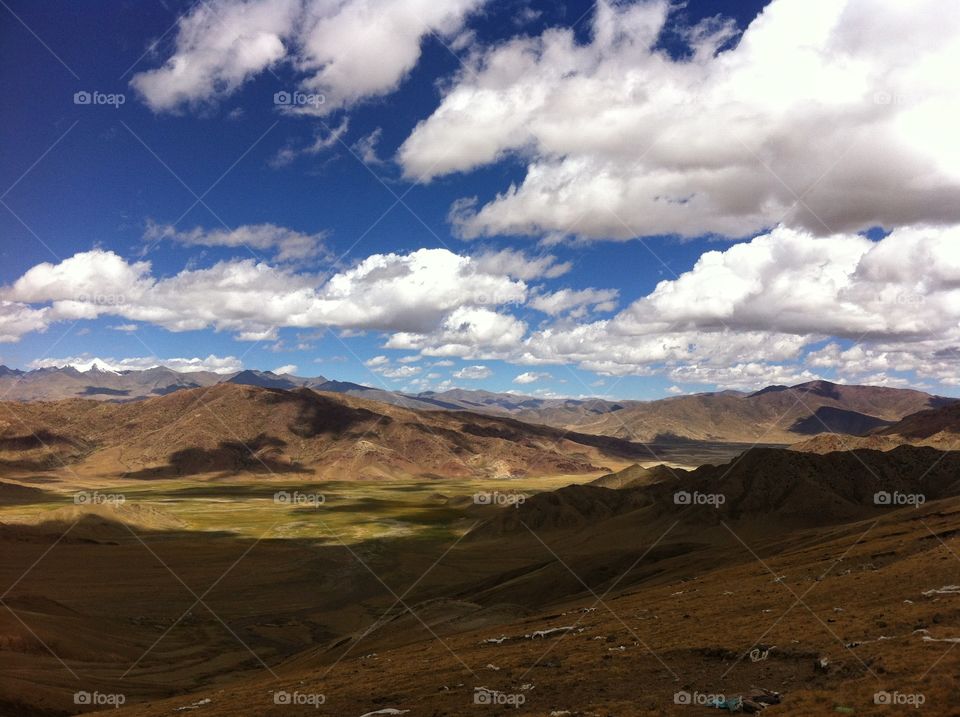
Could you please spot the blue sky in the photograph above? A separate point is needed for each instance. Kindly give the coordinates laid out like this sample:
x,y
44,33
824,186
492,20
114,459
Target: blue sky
x,y
201,161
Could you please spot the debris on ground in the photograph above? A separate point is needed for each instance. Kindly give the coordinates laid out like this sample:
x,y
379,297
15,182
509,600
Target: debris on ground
x,y
955,640
541,634
756,701
945,590
193,705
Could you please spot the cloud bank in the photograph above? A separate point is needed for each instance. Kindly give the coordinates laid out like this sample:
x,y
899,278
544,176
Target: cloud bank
x,y
825,115
783,307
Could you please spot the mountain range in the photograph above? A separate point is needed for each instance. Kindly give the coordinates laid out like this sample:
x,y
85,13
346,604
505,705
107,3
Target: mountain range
x,y
775,415
230,428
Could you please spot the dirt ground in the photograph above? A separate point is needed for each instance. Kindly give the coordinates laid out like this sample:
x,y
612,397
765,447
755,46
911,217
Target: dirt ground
x,y
656,628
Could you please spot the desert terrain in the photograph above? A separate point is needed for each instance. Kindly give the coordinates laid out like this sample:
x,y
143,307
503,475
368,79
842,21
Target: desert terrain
x,y
231,548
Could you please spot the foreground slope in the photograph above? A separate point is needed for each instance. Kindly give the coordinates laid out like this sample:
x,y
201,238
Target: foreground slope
x,y
835,615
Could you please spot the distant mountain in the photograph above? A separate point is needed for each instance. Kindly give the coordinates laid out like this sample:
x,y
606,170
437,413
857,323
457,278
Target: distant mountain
x,y
935,427
229,428
778,414
269,379
52,384
774,415
560,412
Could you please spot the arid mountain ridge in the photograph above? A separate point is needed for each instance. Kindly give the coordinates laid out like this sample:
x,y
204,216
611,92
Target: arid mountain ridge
x,y
776,414
229,428
934,428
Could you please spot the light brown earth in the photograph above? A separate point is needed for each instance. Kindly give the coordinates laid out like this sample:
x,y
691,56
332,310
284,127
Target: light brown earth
x,y
229,428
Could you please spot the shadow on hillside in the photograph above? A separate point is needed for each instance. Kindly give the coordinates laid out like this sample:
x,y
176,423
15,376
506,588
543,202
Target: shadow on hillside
x,y
31,441
322,415
100,391
828,419
260,455
43,442
15,494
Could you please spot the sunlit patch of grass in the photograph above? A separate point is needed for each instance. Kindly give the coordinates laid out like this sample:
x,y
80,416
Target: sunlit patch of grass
x,y
349,511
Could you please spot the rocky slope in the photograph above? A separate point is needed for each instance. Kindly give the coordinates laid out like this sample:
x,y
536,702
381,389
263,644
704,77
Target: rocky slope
x,y
229,428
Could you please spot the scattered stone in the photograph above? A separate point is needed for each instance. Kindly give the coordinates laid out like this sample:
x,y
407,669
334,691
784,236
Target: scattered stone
x,y
955,640
194,705
495,640
945,590
542,634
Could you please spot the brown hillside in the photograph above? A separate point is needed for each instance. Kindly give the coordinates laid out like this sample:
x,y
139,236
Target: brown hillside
x,y
778,414
935,428
229,428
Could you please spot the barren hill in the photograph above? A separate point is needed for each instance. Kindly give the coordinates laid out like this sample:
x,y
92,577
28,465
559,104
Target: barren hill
x,y
935,427
778,414
773,415
766,485
228,428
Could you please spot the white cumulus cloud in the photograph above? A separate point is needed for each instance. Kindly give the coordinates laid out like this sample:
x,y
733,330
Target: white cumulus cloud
x,y
286,244
344,50
473,373
826,115
531,377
